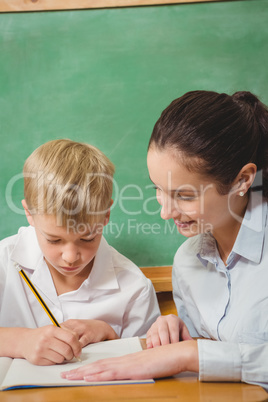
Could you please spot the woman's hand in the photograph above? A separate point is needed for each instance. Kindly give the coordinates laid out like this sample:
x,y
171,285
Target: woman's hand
x,y
163,361
167,329
90,331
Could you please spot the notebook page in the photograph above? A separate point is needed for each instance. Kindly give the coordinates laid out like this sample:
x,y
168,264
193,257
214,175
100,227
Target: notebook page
x,y
22,373
5,363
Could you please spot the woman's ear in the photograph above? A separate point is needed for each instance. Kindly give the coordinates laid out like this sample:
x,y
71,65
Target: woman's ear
x,y
245,178
27,213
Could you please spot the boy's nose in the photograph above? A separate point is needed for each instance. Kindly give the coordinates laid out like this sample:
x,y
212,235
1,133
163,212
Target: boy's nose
x,y
70,255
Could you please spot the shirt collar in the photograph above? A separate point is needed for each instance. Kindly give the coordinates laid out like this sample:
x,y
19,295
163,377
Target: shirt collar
x,y
207,249
250,238
26,251
249,242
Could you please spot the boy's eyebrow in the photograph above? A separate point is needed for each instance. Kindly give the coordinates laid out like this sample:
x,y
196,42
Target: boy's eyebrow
x,y
89,234
51,235
57,237
48,234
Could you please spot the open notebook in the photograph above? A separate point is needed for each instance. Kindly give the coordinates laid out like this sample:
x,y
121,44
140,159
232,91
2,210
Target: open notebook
x,y
19,373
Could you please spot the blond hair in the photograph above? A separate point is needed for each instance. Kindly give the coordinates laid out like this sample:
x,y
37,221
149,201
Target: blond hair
x,y
70,180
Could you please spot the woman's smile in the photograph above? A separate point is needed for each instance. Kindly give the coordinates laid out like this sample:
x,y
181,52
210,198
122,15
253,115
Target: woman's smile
x,y
183,224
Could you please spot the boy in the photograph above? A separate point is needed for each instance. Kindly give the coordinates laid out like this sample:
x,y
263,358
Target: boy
x,y
94,292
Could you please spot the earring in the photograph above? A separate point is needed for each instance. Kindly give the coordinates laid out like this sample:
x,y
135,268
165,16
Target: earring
x,y
241,193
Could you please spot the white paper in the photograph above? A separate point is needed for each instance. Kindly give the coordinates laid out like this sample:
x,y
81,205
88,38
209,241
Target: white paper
x,y
21,373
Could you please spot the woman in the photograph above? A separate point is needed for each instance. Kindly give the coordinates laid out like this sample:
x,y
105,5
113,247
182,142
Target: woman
x,y
207,157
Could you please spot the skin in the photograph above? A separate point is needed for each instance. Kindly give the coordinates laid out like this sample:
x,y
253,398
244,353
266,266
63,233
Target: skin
x,y
69,256
193,201
196,206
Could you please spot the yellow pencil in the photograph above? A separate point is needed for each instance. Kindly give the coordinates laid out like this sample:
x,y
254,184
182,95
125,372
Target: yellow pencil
x,y
37,295
39,298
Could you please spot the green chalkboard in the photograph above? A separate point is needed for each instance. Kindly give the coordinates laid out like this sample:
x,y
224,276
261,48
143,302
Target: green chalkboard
x,y
104,76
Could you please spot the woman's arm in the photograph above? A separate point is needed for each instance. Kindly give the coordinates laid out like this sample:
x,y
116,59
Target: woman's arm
x,y
225,361
162,361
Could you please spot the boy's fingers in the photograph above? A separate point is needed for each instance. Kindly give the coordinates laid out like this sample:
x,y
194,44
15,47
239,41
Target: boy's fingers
x,y
69,345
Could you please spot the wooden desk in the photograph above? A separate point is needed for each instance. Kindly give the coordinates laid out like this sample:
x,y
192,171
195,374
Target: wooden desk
x,y
184,388
161,277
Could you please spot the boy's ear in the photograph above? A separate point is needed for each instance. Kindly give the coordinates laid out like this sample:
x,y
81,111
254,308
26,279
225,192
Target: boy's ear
x,y
27,213
108,213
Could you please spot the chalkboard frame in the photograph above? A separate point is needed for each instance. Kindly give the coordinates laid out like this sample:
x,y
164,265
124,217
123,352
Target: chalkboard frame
x,y
50,5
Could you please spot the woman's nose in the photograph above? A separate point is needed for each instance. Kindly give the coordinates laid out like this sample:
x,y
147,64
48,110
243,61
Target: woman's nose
x,y
168,209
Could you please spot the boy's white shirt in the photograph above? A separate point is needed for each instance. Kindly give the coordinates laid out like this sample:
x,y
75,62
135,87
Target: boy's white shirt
x,y
116,291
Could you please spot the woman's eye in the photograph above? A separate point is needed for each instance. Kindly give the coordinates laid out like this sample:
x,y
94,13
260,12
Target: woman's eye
x,y
53,241
177,195
185,196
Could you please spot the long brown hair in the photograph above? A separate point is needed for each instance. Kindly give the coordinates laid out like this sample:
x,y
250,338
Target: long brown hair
x,y
217,134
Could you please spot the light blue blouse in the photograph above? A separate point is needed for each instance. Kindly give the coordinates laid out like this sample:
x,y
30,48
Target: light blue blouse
x,y
229,303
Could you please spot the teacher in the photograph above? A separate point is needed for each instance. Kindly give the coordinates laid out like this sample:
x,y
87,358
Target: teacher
x,y
208,159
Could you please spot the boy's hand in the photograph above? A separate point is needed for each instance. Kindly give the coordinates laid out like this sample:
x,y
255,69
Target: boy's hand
x,y
49,345
167,329
90,331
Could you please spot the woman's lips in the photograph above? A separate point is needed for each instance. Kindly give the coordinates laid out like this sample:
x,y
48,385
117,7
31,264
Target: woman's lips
x,y
183,224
